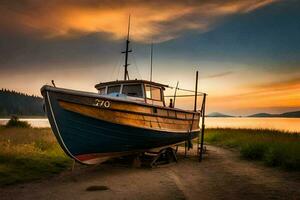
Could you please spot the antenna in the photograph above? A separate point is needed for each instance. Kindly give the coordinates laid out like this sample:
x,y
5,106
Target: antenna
x,y
175,94
151,58
126,75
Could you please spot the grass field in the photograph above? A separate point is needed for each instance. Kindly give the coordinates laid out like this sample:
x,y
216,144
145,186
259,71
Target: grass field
x,y
29,154
274,148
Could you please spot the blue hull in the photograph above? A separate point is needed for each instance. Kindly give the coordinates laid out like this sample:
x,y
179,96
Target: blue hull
x,y
82,135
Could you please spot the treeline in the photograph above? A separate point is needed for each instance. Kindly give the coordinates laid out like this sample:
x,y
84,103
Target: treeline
x,y
20,104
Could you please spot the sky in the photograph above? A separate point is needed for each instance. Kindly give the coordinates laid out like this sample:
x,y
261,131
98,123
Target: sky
x,y
247,52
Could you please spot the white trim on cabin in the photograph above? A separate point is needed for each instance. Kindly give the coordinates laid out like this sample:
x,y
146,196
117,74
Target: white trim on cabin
x,y
96,95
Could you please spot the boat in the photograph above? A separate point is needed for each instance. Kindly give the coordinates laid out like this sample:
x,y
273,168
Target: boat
x,y
124,117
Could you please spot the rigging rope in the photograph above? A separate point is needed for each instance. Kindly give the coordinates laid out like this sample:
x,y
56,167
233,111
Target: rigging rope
x,y
187,90
134,63
116,67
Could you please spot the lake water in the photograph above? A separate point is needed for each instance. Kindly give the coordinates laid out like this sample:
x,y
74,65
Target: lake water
x,y
286,124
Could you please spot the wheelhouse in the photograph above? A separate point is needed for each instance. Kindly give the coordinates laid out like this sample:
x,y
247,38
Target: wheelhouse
x,y
135,90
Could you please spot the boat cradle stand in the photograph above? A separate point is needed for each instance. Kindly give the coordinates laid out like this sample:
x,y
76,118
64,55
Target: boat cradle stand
x,y
156,158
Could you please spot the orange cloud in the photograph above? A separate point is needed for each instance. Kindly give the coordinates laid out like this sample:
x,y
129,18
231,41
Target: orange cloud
x,y
157,20
283,94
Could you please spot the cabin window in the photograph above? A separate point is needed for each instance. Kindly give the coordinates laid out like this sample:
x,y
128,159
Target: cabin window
x,y
153,93
113,89
134,90
102,90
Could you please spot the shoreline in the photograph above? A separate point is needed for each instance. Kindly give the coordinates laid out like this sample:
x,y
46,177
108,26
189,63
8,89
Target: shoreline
x,y
25,117
42,117
291,125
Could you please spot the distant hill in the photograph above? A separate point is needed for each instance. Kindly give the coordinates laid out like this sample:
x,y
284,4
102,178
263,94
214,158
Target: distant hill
x,y
216,114
294,114
290,114
20,104
261,115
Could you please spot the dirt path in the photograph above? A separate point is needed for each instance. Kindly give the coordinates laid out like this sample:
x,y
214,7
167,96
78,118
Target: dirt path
x,y
222,175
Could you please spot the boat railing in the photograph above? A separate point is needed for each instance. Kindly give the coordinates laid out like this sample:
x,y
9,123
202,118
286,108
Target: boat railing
x,y
195,95
186,97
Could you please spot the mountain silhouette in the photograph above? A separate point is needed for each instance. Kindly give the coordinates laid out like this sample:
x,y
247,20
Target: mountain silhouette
x,y
217,114
294,114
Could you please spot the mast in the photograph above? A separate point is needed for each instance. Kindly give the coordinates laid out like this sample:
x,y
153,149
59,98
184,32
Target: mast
x,y
196,93
151,58
126,75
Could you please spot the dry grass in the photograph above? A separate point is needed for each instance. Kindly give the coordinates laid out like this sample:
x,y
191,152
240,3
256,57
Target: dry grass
x,y
28,154
274,148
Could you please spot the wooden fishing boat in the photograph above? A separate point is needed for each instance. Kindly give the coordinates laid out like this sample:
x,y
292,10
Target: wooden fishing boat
x,y
124,117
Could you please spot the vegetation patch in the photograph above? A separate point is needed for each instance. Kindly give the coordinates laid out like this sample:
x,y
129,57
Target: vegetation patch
x,y
15,122
274,148
28,154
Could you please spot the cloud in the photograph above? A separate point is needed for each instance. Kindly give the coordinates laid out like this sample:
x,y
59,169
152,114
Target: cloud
x,y
218,75
288,84
151,20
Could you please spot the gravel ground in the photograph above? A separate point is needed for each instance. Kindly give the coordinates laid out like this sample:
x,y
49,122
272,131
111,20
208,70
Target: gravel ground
x,y
221,175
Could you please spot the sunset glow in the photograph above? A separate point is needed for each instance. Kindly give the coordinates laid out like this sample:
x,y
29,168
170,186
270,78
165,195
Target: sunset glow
x,y
151,18
247,52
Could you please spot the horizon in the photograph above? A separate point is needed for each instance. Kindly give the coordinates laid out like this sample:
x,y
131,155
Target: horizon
x,y
207,115
247,53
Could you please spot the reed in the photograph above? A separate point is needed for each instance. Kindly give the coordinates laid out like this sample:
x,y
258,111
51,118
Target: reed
x,y
274,148
29,154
